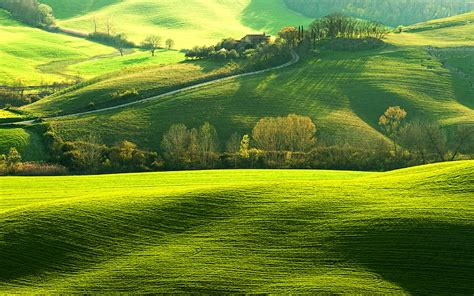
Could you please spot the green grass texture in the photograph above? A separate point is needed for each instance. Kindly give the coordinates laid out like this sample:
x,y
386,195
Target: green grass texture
x,y
192,22
284,232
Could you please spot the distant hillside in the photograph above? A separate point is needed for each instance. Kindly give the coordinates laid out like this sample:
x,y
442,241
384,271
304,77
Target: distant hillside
x,y
192,22
407,232
343,92
23,50
390,12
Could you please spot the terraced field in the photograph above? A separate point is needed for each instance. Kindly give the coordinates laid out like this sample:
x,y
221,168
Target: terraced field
x,y
403,232
192,22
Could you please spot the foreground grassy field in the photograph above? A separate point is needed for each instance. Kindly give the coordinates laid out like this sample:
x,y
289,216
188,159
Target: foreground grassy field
x,y
192,22
408,231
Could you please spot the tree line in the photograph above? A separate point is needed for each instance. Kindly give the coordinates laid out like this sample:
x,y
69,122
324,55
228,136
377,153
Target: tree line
x,y
292,141
390,12
30,12
341,26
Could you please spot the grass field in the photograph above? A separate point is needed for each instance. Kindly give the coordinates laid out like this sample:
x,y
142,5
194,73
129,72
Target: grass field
x,y
448,32
28,142
192,22
42,57
402,232
24,49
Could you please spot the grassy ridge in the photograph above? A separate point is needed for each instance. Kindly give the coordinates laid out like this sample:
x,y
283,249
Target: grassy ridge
x,y
407,231
193,22
146,81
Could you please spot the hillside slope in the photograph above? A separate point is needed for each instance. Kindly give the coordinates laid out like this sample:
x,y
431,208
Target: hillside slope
x,y
23,49
192,22
403,232
344,93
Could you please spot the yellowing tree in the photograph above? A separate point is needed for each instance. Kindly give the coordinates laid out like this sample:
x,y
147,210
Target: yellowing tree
x,y
391,123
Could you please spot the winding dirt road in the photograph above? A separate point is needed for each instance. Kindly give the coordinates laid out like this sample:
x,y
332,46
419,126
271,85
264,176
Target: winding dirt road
x,y
295,59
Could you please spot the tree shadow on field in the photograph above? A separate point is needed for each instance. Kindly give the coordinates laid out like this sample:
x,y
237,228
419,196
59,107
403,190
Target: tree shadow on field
x,y
423,257
68,238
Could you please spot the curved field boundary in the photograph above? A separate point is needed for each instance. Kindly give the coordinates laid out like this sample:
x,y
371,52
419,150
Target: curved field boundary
x,y
295,59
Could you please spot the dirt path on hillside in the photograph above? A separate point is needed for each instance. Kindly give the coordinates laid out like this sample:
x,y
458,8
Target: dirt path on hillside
x,y
295,59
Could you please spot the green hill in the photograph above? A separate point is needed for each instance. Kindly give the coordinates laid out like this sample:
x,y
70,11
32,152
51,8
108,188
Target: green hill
x,y
344,93
402,232
43,57
192,22
28,48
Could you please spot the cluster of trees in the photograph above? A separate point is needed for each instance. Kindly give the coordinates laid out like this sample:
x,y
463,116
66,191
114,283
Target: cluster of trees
x,y
89,155
118,41
30,11
228,48
425,141
390,12
11,164
274,142
341,26
154,42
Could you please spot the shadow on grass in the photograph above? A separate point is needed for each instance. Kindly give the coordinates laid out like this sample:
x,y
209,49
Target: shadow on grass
x,y
68,238
423,257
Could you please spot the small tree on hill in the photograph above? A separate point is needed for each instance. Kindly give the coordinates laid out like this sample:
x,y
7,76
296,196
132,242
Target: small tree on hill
x,y
391,123
120,43
169,43
152,43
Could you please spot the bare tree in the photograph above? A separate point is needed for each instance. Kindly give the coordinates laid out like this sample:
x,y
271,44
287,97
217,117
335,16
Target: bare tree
x,y
152,43
95,23
109,26
169,43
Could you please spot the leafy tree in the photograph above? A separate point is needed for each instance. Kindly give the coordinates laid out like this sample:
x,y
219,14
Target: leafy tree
x,y
175,144
13,158
290,35
293,133
152,43
120,43
244,146
391,122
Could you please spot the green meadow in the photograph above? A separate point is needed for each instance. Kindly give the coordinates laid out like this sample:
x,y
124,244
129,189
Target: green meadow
x,y
192,22
304,232
43,57
28,48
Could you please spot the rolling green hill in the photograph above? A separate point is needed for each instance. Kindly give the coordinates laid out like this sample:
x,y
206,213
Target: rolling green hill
x,y
192,22
344,93
43,57
298,232
24,49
